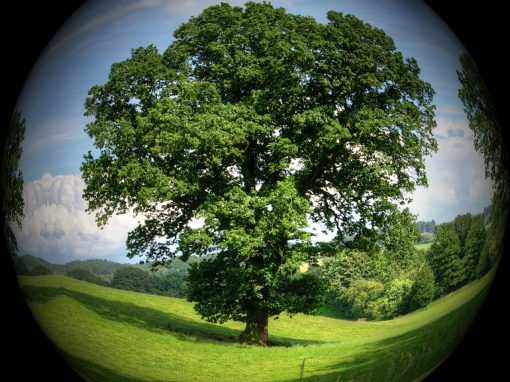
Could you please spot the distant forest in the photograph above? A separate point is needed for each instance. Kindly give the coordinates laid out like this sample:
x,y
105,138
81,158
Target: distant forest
x,y
167,281
428,228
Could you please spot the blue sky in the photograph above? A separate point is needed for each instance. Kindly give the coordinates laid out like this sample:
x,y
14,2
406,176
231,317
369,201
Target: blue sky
x,y
100,33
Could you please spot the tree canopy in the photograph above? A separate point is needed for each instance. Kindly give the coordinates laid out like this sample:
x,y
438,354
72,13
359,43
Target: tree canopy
x,y
251,126
482,117
489,140
11,181
455,254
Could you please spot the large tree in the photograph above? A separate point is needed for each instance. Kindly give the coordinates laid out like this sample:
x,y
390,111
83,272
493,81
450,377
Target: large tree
x,y
252,125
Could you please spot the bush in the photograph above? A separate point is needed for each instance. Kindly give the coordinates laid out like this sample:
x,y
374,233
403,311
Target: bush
x,y
84,275
356,300
346,267
396,297
131,278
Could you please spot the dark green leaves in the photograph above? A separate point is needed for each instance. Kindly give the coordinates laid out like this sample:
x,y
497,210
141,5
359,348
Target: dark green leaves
x,y
11,181
252,123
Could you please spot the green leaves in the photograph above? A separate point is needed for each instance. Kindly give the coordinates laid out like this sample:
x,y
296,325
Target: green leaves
x,y
457,252
482,117
11,181
255,121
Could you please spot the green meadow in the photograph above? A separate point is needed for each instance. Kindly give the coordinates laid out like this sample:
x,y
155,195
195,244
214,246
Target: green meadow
x,y
112,335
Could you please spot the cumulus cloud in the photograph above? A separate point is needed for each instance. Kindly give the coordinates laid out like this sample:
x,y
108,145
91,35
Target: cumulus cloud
x,y
456,176
57,227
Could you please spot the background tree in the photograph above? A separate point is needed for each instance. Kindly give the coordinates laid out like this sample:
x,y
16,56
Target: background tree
x,y
131,278
255,122
41,270
423,289
482,118
476,240
444,259
457,251
11,181
491,143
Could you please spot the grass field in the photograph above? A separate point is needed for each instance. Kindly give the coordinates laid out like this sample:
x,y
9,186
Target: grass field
x,y
423,247
113,335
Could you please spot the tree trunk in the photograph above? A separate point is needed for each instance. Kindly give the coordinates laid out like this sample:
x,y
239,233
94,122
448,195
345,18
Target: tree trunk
x,y
256,331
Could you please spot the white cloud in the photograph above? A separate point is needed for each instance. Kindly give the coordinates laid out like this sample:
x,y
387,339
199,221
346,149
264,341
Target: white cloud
x,y
455,174
56,226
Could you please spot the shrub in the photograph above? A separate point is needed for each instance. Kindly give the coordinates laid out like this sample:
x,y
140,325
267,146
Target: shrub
x,y
358,297
346,267
396,297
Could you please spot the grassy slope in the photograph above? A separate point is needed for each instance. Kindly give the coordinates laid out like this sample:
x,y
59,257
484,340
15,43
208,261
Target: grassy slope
x,y
108,334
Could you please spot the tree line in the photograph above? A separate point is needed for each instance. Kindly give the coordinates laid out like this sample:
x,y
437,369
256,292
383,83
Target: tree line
x,y
166,281
380,285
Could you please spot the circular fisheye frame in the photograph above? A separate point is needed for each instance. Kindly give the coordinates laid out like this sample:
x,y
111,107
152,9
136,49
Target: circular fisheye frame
x,y
290,191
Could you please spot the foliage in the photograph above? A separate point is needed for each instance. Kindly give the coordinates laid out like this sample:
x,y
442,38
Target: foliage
x,y
489,140
170,284
476,241
395,300
167,281
426,237
20,267
399,239
95,266
84,275
444,259
346,267
455,255
482,118
11,181
131,278
372,286
423,289
40,270
254,121
426,226
359,297
495,241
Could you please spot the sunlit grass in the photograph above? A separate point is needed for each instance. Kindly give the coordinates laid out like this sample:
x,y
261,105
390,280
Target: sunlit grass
x,y
423,247
109,334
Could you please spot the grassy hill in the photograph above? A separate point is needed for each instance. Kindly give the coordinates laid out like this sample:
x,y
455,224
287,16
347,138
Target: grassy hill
x,y
104,268
113,335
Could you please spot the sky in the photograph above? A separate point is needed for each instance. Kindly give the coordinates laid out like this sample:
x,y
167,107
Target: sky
x,y
56,225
